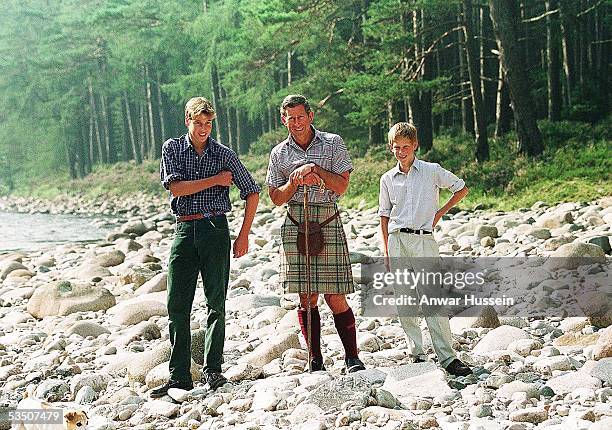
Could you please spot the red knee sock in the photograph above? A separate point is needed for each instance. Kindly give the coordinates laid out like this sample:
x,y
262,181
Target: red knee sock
x,y
345,325
315,337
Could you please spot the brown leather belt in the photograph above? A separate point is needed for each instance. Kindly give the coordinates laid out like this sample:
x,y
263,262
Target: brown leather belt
x,y
192,217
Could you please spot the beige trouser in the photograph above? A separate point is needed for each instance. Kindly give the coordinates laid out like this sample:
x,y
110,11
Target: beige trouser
x,y
407,250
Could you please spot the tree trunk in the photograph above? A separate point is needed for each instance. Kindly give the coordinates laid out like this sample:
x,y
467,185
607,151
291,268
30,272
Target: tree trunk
x,y
239,149
488,65
128,114
69,152
482,144
530,139
91,133
152,142
216,98
567,42
108,156
94,113
390,119
553,66
82,151
143,131
125,152
228,119
467,115
160,105
269,118
289,55
503,111
422,98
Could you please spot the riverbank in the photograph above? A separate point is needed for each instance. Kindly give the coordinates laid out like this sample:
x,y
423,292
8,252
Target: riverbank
x,y
87,323
575,167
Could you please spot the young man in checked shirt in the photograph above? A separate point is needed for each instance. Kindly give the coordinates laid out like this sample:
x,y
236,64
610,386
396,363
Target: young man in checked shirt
x,y
408,209
312,158
198,172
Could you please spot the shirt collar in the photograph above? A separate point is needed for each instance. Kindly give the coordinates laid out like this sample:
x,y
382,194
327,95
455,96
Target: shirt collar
x,y
211,146
416,164
317,136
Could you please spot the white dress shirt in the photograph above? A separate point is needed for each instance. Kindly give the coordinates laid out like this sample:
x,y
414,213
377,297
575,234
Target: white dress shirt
x,y
410,200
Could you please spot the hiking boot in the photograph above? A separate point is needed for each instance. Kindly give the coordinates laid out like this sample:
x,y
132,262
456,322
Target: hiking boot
x,y
163,390
458,368
214,380
316,365
354,365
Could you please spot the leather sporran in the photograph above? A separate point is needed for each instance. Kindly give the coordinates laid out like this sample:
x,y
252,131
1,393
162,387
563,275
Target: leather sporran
x,y
316,240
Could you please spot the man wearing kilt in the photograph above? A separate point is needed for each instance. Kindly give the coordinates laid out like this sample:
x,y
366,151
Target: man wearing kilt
x,y
319,161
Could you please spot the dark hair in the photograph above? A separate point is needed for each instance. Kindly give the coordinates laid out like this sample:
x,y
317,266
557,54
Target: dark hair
x,y
293,100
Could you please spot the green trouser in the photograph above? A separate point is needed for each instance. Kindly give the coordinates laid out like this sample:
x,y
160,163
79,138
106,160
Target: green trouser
x,y
199,246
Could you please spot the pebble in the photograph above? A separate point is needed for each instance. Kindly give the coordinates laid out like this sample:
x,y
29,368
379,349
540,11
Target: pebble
x,y
102,344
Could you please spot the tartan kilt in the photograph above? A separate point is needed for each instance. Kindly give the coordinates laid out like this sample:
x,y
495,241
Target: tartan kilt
x,y
330,271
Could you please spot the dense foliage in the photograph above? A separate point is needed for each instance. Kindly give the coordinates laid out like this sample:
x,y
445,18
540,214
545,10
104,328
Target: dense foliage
x,y
93,82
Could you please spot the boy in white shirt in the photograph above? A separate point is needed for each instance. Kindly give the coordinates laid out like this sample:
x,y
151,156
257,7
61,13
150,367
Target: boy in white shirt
x,y
408,209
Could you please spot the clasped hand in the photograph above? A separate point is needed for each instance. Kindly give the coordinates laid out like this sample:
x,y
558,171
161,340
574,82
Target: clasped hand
x,y
305,175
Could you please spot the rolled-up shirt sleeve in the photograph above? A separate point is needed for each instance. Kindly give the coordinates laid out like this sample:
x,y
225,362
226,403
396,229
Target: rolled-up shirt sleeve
x,y
341,161
274,177
169,170
242,178
384,200
448,180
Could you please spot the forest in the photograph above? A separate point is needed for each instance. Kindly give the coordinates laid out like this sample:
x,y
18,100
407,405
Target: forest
x,y
85,83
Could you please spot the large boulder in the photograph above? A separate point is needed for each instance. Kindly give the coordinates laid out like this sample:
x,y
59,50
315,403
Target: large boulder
x,y
603,370
158,283
603,347
498,339
603,242
416,380
572,255
133,312
110,259
139,365
477,316
97,381
334,393
8,266
271,349
554,220
483,231
88,271
596,306
571,381
63,298
87,328
137,227
251,301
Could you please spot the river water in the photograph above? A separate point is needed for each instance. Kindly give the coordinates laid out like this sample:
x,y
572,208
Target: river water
x,y
30,232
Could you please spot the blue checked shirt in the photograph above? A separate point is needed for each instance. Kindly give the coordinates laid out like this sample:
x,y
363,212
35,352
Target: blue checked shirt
x,y
180,162
327,150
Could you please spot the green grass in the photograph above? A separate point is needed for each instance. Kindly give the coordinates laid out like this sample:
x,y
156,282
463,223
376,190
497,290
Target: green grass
x,y
575,166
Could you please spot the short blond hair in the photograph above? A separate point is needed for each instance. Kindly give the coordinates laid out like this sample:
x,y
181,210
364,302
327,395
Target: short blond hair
x,y
402,129
197,106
